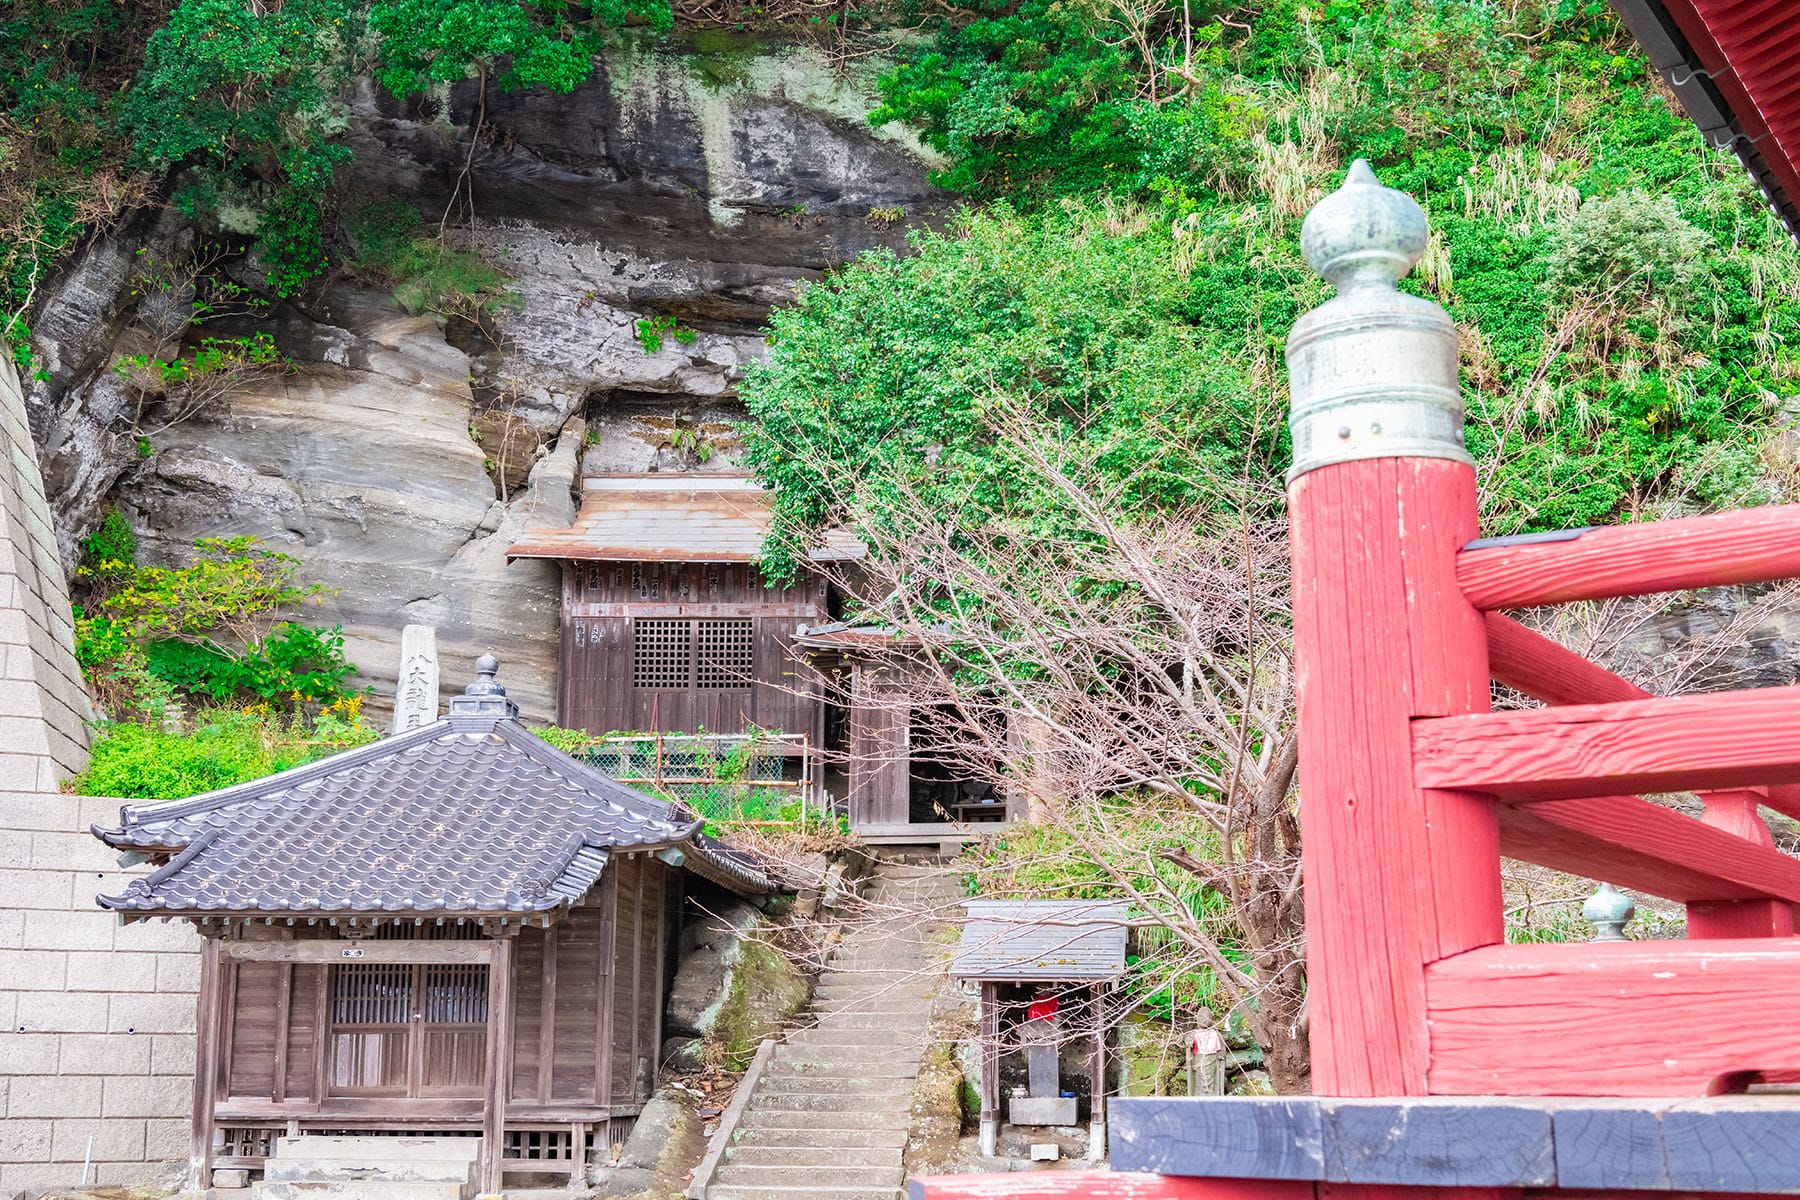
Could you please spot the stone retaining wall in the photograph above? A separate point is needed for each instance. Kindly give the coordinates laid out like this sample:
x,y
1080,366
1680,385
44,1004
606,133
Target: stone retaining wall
x,y
96,1018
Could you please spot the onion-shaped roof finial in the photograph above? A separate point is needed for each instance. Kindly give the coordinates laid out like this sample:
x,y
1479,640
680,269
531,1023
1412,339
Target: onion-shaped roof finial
x,y
1364,232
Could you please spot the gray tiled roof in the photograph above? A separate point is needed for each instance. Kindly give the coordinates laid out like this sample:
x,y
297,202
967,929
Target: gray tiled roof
x,y
468,815
1027,940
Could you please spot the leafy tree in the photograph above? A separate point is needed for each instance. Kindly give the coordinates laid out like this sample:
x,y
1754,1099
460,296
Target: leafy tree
x,y
510,43
244,96
891,370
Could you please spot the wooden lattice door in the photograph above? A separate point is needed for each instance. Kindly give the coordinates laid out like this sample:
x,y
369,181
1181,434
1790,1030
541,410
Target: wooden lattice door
x,y
408,1029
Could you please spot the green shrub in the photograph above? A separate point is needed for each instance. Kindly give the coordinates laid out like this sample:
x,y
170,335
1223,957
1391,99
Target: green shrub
x,y
212,629
219,748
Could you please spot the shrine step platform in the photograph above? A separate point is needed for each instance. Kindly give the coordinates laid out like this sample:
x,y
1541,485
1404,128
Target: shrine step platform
x,y
1735,1143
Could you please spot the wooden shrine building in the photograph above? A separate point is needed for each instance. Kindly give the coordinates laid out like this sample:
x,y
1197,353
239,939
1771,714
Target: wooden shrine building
x,y
909,774
457,930
668,624
1045,968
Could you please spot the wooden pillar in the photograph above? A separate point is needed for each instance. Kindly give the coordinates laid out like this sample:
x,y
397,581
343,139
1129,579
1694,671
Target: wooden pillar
x,y
498,1075
1380,498
208,1022
1736,813
989,1017
1097,1078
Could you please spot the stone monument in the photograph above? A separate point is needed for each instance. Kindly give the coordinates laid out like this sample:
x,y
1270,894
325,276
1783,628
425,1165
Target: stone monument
x,y
416,697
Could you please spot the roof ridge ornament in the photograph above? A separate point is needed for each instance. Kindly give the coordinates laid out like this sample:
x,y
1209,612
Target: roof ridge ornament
x,y
484,700
1372,372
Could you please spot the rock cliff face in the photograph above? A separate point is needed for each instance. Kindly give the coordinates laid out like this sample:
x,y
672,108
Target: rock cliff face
x,y
402,456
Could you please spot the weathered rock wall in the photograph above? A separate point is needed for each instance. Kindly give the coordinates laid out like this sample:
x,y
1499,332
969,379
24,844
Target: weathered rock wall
x,y
403,454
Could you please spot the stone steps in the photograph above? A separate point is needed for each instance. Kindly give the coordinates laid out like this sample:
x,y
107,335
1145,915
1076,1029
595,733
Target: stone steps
x,y
891,1122
812,1176
359,1189
883,1087
811,1139
753,1155
797,1191
324,1167
831,1113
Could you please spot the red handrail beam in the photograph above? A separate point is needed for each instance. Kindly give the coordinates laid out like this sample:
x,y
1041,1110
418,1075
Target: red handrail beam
x,y
1528,662
1613,1019
1633,843
1755,545
1669,744
1103,1185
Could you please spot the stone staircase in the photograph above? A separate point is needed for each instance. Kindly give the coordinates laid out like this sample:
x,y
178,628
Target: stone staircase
x,y
321,1167
829,1117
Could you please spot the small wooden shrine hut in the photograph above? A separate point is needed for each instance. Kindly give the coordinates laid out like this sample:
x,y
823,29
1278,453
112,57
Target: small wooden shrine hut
x,y
908,776
1045,968
456,930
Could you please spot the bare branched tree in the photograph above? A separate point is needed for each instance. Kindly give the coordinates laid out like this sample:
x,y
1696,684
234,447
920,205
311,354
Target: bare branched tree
x,y
1123,671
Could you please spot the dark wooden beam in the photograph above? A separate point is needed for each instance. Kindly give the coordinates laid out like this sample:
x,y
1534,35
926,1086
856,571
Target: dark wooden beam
x,y
989,1022
326,950
207,1021
1739,1144
1754,545
498,1074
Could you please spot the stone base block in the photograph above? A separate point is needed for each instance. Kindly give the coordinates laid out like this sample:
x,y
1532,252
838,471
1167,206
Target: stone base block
x,y
1041,1110
1045,1152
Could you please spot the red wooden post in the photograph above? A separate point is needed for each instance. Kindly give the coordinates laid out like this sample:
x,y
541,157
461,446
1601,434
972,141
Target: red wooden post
x,y
1381,498
1736,813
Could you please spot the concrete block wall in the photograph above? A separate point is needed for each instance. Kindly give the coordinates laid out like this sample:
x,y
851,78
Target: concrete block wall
x,y
43,706
96,1018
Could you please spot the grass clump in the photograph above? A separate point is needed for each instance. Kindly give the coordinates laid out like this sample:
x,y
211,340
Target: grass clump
x,y
391,246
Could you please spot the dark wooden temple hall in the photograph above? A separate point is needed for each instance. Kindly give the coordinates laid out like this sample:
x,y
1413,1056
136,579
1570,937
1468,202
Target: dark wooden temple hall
x,y
455,930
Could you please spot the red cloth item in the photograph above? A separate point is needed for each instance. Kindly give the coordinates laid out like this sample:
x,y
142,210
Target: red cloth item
x,y
1041,1010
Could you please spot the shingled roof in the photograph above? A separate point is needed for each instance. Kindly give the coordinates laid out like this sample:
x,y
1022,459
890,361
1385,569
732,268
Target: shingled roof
x,y
671,517
470,815
1045,941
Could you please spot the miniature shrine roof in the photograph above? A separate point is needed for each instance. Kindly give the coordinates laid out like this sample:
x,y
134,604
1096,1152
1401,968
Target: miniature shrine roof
x,y
670,517
1735,65
470,815
1042,940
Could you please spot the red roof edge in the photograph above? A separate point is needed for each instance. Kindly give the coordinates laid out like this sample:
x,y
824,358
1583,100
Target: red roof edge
x,y
1720,86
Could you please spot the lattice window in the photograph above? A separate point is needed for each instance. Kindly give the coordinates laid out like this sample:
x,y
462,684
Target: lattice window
x,y
662,654
726,655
